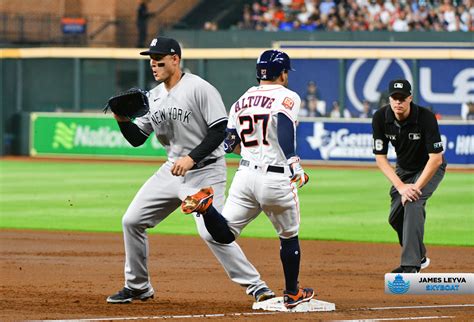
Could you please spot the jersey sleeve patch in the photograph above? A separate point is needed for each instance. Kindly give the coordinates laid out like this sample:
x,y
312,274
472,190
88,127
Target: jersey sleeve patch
x,y
288,103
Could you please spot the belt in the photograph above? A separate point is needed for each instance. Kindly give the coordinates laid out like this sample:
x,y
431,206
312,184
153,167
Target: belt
x,y
202,164
270,168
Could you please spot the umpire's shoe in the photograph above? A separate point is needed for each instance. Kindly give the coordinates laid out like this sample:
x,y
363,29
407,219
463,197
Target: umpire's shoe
x,y
199,202
127,295
263,294
406,269
425,262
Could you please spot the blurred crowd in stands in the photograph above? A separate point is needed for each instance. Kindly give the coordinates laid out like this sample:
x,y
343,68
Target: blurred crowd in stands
x,y
359,15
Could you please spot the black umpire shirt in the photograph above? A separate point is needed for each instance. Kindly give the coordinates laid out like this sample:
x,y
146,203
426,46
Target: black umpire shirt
x,y
412,139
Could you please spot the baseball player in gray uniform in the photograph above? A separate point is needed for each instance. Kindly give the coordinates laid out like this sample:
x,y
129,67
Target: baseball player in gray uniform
x,y
189,119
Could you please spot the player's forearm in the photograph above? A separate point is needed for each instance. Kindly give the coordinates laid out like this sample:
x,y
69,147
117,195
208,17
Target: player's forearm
x,y
214,137
388,171
430,169
132,133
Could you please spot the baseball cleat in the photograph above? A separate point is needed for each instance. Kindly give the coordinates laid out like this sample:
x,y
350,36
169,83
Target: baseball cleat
x,y
199,202
425,262
127,295
406,269
263,294
292,300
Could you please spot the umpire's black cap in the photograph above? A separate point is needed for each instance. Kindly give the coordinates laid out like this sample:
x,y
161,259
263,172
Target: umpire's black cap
x,y
399,86
163,45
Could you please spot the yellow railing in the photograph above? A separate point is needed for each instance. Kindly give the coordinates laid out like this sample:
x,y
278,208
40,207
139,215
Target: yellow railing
x,y
241,53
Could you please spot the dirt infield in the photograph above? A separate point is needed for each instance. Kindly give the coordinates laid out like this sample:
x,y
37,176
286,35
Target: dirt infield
x,y
61,275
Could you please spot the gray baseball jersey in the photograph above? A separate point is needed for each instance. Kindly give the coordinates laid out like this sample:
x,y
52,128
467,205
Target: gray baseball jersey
x,y
180,119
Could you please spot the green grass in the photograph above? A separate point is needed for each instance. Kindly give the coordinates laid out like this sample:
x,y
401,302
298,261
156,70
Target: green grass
x,y
347,205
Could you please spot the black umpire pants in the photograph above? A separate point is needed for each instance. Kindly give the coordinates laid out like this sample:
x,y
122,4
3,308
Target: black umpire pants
x,y
409,220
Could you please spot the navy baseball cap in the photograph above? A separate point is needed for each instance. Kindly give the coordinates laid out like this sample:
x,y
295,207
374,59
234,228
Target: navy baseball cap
x,y
163,46
399,86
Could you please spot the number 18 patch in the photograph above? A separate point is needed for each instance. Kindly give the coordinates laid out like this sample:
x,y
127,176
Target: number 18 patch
x,y
288,103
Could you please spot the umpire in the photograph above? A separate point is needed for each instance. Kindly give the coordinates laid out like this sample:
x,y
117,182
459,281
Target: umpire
x,y
414,133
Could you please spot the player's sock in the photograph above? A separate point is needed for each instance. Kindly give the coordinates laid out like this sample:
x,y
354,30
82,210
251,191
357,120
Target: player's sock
x,y
290,255
217,226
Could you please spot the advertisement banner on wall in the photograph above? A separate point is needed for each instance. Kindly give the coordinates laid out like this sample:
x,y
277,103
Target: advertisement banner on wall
x,y
69,134
86,135
446,84
442,84
95,135
367,79
329,140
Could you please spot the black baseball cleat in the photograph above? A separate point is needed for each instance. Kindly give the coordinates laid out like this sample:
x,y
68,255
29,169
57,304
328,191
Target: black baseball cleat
x,y
263,294
127,295
406,269
425,262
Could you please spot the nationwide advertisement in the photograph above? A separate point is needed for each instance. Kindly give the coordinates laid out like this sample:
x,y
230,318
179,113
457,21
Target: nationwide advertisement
x,y
84,135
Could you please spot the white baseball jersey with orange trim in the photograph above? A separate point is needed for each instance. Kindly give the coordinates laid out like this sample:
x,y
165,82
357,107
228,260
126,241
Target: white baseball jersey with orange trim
x,y
262,182
254,115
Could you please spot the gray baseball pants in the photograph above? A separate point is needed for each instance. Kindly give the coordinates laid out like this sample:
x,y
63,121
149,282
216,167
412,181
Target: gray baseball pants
x,y
159,196
409,221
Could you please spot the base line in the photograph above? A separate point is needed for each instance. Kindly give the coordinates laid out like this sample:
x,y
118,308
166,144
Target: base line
x,y
405,318
162,317
218,315
416,307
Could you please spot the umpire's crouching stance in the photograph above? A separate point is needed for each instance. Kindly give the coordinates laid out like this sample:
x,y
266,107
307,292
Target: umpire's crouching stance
x,y
413,131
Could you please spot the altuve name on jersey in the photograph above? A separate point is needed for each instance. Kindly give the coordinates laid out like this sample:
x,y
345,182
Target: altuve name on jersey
x,y
171,113
254,101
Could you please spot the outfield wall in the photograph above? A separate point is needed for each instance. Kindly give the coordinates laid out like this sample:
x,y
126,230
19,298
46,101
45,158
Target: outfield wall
x,y
82,79
318,139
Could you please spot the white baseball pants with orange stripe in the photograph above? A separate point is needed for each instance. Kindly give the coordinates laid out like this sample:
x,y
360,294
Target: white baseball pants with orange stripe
x,y
255,189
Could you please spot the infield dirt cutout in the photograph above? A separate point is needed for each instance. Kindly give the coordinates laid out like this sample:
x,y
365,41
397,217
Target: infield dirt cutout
x,y
65,275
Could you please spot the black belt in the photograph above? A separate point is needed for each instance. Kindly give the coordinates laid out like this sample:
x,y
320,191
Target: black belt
x,y
202,164
270,168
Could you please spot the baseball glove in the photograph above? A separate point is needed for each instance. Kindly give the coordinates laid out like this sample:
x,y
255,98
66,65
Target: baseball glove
x,y
132,103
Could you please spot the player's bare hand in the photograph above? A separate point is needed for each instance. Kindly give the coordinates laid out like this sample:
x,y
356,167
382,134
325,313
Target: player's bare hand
x,y
237,149
182,166
404,201
410,192
120,118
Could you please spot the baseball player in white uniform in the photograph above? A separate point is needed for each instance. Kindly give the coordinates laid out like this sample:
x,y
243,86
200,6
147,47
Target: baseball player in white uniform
x,y
189,118
262,125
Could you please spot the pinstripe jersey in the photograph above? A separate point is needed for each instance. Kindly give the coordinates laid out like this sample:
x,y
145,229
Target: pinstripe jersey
x,y
181,117
255,114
